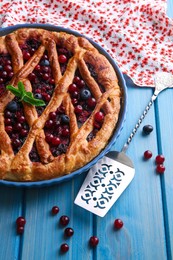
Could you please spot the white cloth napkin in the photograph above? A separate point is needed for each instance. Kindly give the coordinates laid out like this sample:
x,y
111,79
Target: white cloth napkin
x,y
137,34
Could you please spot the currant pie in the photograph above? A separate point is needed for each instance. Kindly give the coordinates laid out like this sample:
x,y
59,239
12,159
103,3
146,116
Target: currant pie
x,y
82,101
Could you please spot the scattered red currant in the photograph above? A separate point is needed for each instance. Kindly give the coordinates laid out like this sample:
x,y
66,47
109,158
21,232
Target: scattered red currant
x,y
160,168
21,221
160,159
69,232
55,210
147,154
64,220
118,223
93,241
20,230
64,248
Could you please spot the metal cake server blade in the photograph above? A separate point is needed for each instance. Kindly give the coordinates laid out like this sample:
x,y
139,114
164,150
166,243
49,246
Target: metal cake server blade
x,y
108,178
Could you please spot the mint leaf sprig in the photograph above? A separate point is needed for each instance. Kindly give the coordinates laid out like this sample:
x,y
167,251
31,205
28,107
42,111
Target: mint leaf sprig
x,y
24,95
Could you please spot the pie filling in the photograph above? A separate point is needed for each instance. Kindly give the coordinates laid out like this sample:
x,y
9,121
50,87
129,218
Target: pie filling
x,y
57,128
6,71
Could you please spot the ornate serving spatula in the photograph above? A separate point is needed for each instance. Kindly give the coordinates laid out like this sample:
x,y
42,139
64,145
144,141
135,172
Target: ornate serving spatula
x,y
107,179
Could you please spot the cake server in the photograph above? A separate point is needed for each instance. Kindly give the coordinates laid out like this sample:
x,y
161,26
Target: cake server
x,y
108,178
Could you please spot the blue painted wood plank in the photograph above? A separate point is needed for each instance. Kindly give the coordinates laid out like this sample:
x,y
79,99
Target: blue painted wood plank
x,y
10,210
165,132
44,235
140,206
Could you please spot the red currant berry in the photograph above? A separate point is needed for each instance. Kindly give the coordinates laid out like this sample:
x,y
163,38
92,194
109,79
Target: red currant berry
x,y
55,210
69,232
21,221
93,241
23,132
8,129
160,168
64,220
99,116
72,88
91,102
62,58
55,140
78,109
147,154
77,80
26,55
52,115
64,248
160,159
118,223
20,230
65,132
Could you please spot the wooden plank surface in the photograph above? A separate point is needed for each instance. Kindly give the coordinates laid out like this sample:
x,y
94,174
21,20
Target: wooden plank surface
x,y
145,207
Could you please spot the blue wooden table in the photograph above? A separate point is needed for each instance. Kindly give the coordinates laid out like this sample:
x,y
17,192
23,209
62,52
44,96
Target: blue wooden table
x,y
146,206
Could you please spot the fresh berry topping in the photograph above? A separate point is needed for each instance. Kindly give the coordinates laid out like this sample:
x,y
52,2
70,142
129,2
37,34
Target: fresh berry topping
x,y
69,232
91,102
16,143
49,123
99,116
7,121
65,119
26,55
64,248
49,138
52,115
21,221
77,80
12,106
55,210
72,88
160,168
44,63
160,159
8,129
64,220
81,83
55,141
46,76
85,94
37,67
32,77
147,129
65,132
38,96
78,109
62,58
118,223
93,241
23,132
147,154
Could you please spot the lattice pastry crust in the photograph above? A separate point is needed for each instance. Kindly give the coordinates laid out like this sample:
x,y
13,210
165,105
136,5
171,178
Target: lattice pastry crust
x,y
101,81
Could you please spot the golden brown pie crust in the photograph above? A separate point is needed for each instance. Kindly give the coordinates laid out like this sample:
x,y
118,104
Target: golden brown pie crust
x,y
19,167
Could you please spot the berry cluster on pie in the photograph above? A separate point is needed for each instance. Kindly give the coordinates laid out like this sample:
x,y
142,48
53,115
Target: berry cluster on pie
x,y
81,104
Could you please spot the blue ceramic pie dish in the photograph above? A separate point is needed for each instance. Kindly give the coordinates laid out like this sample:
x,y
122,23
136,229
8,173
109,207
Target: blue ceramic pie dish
x,y
122,84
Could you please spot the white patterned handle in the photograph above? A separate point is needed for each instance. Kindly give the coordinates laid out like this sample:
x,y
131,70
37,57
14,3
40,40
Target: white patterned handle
x,y
163,80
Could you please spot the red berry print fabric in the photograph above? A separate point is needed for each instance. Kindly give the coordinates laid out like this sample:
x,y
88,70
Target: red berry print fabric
x,y
137,34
